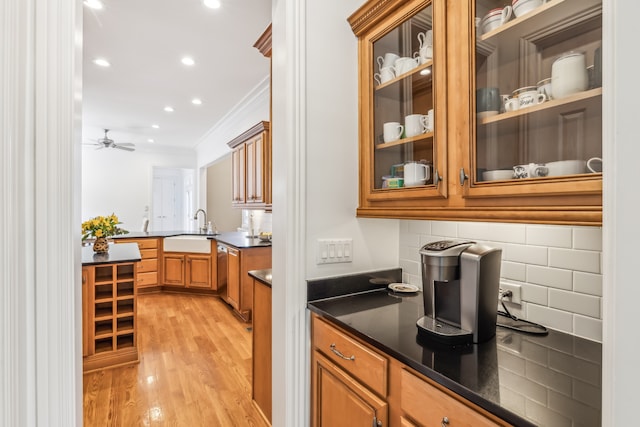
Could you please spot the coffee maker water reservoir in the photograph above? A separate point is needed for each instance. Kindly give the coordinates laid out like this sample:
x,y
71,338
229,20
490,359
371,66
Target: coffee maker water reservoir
x,y
461,280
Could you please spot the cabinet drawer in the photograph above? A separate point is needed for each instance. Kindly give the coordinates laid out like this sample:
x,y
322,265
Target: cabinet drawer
x,y
147,243
429,406
359,361
148,253
147,265
147,279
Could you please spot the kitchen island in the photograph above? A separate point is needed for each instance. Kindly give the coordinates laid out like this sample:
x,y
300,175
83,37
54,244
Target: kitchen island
x,y
109,306
513,379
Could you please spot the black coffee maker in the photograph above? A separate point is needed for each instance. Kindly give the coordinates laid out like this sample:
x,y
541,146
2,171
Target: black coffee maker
x,y
460,281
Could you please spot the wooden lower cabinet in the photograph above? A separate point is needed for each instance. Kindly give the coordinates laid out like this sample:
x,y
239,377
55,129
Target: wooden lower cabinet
x,y
109,323
239,284
262,357
353,384
341,401
189,270
148,267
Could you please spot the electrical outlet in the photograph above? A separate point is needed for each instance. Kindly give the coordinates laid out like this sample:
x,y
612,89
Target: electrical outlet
x,y
331,251
516,292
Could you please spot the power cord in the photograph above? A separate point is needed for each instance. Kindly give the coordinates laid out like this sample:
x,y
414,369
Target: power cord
x,y
514,322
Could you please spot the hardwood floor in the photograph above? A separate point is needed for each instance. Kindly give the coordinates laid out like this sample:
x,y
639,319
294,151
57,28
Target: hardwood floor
x,y
194,370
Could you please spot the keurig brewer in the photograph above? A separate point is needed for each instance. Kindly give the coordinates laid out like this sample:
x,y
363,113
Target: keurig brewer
x,y
460,282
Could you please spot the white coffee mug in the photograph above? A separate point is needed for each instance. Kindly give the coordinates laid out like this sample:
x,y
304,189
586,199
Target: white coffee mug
x,y
426,38
392,131
416,173
429,122
415,124
529,98
385,74
405,64
388,60
511,104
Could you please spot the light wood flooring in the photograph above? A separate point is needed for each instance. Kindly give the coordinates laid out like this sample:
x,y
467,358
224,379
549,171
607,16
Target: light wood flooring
x,y
194,370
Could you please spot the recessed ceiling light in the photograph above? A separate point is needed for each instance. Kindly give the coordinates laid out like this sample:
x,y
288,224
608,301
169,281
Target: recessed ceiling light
x,y
155,126
213,4
196,101
187,60
101,62
94,4
168,109
150,140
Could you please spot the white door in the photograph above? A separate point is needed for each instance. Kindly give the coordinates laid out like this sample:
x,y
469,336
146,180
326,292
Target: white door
x,y
166,203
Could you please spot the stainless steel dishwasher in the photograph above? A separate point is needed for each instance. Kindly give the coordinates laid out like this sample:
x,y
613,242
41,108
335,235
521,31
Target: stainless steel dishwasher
x,y
222,269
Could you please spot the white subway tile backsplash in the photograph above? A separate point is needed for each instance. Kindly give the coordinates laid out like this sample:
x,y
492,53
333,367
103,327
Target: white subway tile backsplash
x,y
586,305
535,294
525,254
558,267
587,327
556,236
588,261
419,227
588,238
587,283
555,319
444,228
410,267
552,277
513,271
557,381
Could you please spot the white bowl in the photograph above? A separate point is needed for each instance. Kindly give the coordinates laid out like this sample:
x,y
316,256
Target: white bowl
x,y
497,175
522,7
566,167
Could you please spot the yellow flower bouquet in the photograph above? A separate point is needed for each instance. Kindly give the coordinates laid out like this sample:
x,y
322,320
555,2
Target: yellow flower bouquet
x,y
102,226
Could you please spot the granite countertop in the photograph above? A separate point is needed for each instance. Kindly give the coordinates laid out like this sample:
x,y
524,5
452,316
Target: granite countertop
x,y
263,276
125,252
527,380
237,239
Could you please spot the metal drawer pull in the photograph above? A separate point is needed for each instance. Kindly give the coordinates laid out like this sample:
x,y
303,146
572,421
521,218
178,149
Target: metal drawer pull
x,y
337,352
445,422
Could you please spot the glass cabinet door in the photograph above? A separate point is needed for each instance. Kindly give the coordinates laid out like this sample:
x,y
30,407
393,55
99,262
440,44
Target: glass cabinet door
x,y
538,94
403,111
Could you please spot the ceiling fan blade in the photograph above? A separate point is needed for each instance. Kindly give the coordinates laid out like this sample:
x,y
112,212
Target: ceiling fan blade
x,y
124,147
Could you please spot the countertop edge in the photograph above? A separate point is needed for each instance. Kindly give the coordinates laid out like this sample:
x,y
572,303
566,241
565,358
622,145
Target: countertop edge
x,y
455,387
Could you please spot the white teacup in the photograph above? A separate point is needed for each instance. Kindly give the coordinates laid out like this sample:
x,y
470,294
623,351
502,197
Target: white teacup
x,y
425,39
416,173
529,96
392,131
430,124
495,18
511,104
385,74
415,124
405,64
532,170
388,60
592,165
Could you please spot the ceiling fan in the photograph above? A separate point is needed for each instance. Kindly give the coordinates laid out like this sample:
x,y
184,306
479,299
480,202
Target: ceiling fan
x,y
107,142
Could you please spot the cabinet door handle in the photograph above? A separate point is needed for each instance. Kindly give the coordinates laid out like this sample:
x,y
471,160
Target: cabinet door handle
x,y
436,178
339,354
445,422
463,177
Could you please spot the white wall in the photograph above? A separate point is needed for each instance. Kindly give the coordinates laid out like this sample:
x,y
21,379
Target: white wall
x,y
120,182
332,147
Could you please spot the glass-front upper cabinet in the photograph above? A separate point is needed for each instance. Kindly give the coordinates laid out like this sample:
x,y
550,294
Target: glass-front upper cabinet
x,y
538,97
402,59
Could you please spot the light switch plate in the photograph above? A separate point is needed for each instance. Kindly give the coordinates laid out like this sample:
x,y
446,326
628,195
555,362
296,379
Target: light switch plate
x,y
331,251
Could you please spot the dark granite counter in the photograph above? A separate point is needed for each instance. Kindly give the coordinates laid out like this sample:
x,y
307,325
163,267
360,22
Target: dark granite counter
x,y
527,380
263,276
125,252
236,239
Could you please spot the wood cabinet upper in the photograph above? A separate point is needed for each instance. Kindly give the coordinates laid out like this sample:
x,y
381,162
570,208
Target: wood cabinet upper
x,y
251,168
472,110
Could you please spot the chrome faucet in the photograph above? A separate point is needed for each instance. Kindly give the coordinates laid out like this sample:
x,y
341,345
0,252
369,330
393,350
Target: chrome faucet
x,y
202,229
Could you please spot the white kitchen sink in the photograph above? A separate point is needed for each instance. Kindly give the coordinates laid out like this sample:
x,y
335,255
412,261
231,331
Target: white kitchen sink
x,y
187,243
